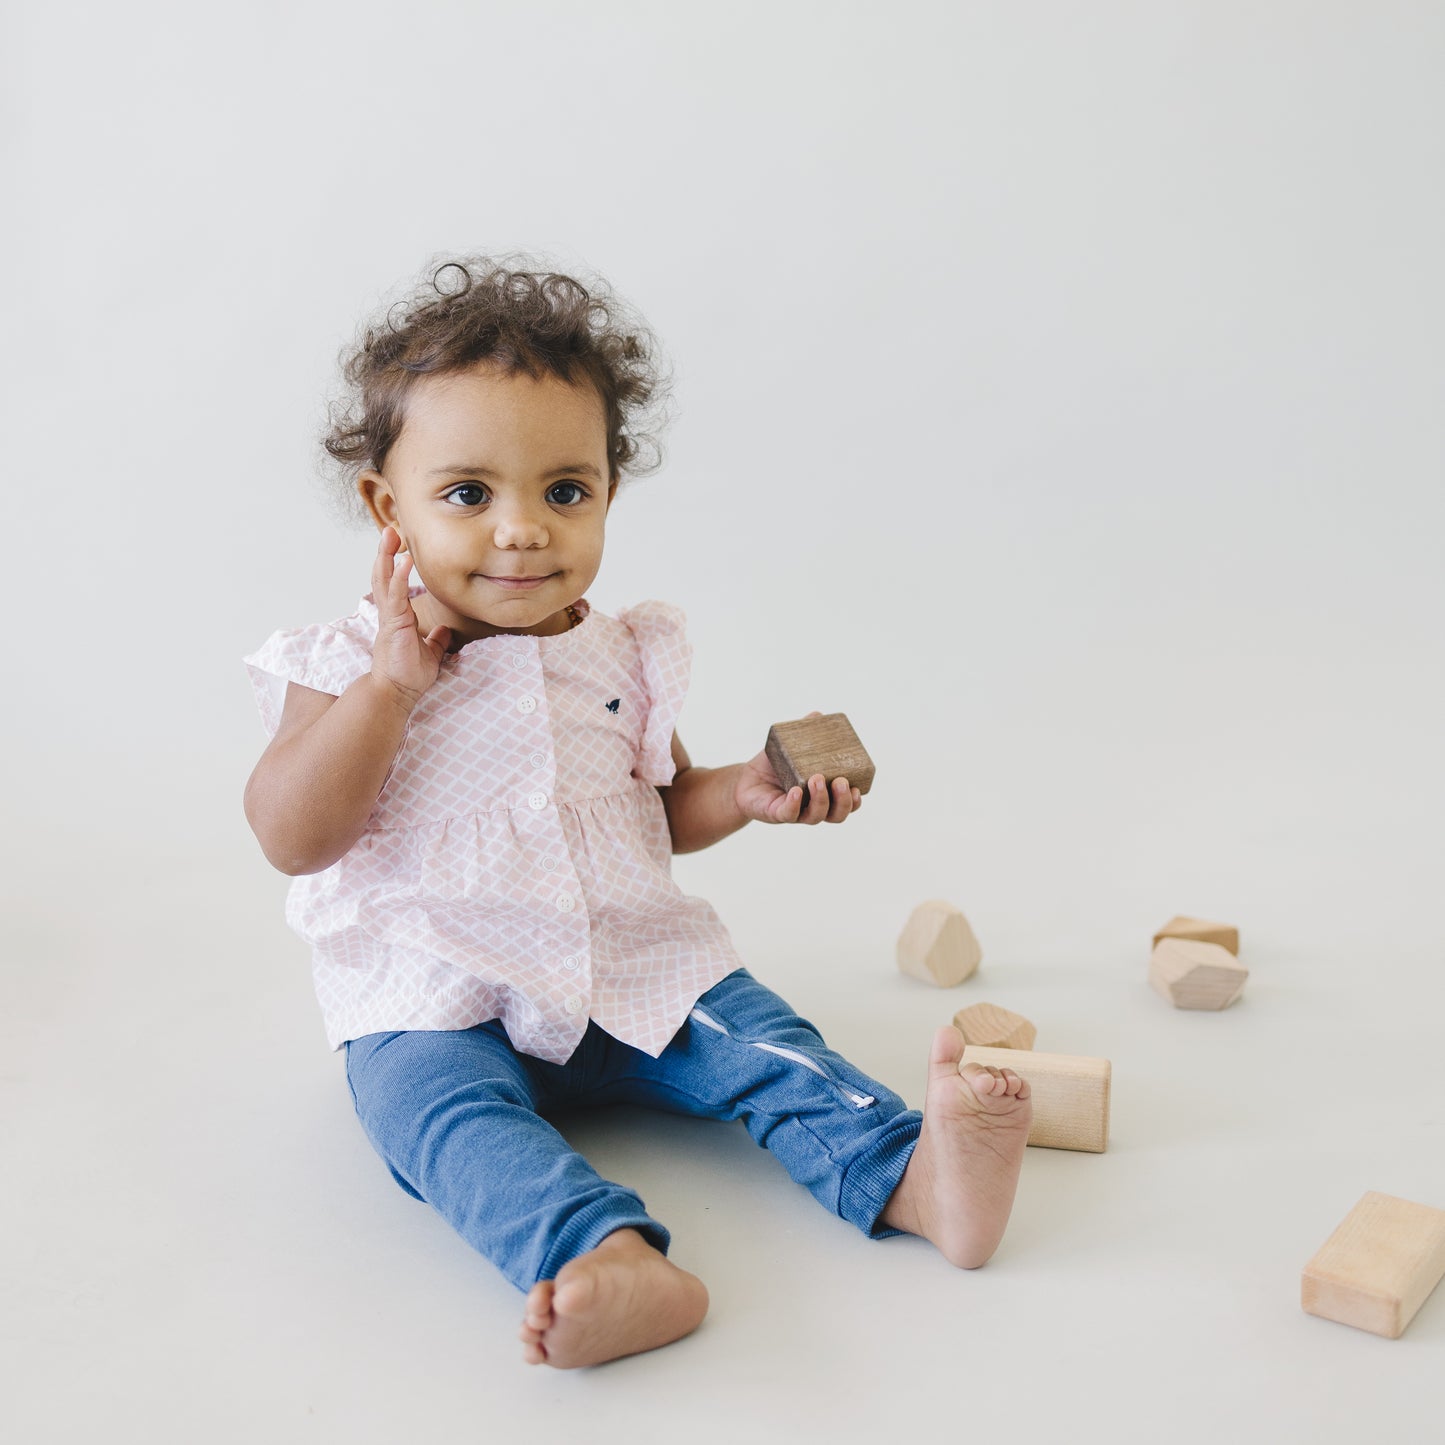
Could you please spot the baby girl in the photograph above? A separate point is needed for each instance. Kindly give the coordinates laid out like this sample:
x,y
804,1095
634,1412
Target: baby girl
x,y
476,782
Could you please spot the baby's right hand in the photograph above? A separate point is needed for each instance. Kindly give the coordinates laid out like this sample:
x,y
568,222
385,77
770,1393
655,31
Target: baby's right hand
x,y
402,658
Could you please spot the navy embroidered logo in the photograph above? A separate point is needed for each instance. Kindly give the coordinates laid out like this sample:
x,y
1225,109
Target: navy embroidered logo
x,y
614,704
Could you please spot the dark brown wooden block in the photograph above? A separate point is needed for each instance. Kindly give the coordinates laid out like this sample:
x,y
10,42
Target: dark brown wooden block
x,y
826,744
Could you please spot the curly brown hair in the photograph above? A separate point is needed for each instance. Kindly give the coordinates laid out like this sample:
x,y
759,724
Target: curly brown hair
x,y
513,313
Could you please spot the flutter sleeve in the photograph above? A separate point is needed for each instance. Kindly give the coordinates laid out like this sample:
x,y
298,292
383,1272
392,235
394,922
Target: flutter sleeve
x,y
660,630
324,656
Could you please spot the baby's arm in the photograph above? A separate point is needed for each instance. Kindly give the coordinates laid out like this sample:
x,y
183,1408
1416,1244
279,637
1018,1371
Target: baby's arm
x,y
313,790
310,795
704,805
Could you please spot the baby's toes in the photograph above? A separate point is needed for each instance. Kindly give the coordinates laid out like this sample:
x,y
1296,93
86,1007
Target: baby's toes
x,y
537,1315
983,1080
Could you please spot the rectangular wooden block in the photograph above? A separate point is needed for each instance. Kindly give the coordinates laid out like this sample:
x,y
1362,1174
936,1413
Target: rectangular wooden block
x,y
1070,1095
1378,1267
825,744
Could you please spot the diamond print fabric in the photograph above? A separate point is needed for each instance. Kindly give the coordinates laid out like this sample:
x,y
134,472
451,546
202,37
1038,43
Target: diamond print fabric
x,y
517,864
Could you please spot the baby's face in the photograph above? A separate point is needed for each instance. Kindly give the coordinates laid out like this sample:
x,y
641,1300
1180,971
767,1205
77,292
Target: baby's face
x,y
499,488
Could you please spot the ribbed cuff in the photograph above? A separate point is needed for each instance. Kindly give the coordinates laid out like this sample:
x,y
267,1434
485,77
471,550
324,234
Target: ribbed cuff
x,y
591,1224
872,1178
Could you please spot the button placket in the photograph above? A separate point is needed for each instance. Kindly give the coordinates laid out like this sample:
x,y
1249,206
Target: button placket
x,y
571,917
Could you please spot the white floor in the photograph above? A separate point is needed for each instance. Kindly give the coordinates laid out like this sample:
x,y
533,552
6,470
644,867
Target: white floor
x,y
204,1247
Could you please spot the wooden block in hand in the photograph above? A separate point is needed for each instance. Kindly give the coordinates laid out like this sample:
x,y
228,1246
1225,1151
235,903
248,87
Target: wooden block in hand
x,y
1070,1095
1200,930
1196,975
992,1027
1377,1268
937,945
825,744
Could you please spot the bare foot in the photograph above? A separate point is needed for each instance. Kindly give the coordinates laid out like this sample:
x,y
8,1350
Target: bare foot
x,y
619,1299
959,1186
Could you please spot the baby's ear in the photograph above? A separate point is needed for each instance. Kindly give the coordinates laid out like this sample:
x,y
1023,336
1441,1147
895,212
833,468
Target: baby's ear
x,y
376,497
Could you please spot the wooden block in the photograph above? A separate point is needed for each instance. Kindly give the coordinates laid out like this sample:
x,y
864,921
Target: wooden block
x,y
1377,1268
1196,975
826,744
1226,935
992,1027
938,946
1070,1095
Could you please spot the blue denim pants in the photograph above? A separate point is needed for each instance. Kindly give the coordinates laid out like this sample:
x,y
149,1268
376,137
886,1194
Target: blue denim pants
x,y
458,1117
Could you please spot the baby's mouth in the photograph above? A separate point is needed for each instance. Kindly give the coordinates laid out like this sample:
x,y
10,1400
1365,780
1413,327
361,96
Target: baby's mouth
x,y
518,583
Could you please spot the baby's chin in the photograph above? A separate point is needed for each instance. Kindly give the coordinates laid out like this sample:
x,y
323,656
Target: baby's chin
x,y
479,608
519,615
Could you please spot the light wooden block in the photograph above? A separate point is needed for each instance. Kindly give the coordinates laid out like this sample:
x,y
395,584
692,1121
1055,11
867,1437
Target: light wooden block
x,y
1196,975
1200,930
1070,1095
825,744
1376,1270
992,1027
938,946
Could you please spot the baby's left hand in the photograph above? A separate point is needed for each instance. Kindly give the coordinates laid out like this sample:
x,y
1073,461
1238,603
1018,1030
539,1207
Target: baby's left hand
x,y
760,796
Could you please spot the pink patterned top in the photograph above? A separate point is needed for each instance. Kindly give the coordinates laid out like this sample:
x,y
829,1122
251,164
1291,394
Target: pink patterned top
x,y
517,864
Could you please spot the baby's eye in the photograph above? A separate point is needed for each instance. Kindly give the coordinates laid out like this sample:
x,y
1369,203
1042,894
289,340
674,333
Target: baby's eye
x,y
469,494
567,494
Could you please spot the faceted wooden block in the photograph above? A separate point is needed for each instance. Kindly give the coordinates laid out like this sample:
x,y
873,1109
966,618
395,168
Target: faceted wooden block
x,y
825,744
1070,1095
1376,1270
1196,975
992,1027
937,945
1226,935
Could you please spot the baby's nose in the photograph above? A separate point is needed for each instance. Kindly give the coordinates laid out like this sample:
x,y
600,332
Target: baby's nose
x,y
519,526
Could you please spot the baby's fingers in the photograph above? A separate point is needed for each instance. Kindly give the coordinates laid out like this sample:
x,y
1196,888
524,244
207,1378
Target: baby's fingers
x,y
383,568
399,586
787,808
378,576
400,574
818,799
843,802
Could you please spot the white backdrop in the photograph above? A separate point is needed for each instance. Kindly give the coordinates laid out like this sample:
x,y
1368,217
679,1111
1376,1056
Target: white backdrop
x,y
1058,392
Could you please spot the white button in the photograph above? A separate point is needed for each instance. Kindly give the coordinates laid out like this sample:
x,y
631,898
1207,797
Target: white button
x,y
570,963
549,864
519,662
537,801
526,704
575,1005
539,760
565,903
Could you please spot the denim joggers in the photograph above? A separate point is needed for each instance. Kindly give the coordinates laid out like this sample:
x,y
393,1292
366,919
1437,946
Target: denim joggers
x,y
457,1115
